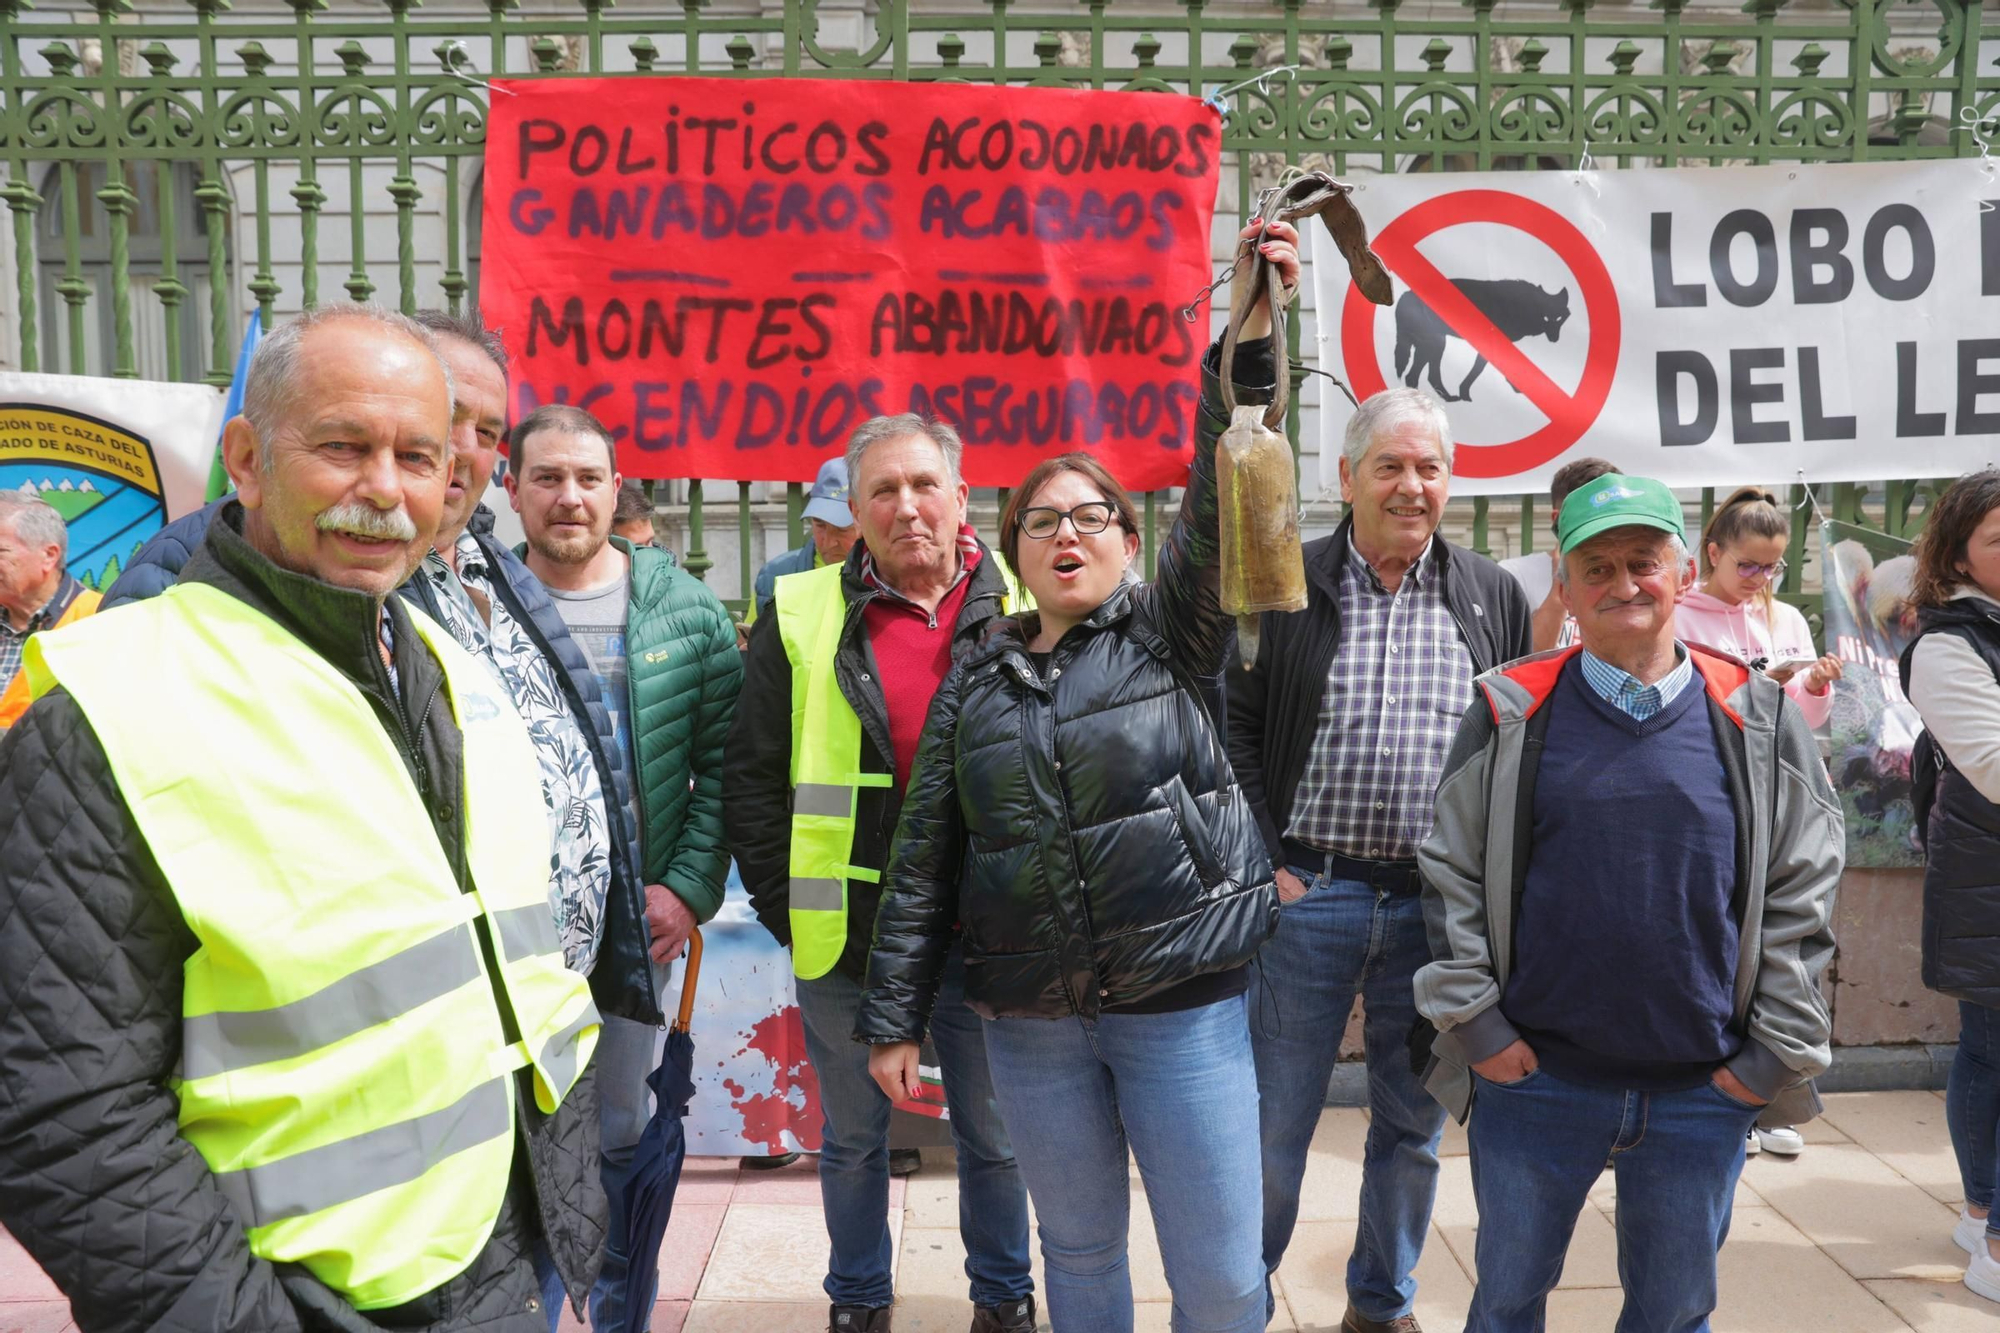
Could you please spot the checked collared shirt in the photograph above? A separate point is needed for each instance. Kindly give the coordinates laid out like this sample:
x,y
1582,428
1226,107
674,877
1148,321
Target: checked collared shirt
x,y
1399,685
14,642
1622,690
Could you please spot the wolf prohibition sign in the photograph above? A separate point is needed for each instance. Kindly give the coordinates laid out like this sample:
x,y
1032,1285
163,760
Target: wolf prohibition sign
x,y
1491,316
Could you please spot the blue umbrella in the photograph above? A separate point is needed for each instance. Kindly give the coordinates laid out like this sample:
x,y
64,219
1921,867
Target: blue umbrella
x,y
648,1192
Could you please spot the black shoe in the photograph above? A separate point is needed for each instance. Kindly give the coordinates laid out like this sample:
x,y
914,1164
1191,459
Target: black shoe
x,y
905,1161
774,1162
1013,1317
858,1319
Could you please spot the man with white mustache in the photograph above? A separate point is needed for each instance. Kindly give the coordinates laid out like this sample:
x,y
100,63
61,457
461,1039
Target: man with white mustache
x,y
1337,733
284,1007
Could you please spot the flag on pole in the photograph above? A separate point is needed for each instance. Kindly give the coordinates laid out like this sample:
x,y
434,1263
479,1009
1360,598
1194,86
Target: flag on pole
x,y
218,478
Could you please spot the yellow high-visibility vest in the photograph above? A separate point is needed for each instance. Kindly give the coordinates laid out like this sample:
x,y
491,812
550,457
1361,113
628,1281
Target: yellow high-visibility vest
x,y
826,763
345,1070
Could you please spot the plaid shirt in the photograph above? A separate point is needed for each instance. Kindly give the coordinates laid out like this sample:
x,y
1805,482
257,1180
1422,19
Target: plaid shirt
x,y
13,642
1397,690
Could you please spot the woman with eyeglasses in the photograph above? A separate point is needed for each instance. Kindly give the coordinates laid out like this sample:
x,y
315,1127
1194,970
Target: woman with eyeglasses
x,y
1073,816
1734,610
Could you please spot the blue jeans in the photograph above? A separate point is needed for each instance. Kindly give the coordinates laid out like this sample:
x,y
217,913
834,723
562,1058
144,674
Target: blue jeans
x,y
1343,937
1540,1144
624,1058
551,1284
1176,1086
854,1158
1972,1107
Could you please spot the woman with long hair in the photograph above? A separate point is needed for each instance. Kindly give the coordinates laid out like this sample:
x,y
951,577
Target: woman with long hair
x,y
1072,816
1951,673
1736,610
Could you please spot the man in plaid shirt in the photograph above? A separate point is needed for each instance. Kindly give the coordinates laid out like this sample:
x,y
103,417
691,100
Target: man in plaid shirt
x,y
1338,734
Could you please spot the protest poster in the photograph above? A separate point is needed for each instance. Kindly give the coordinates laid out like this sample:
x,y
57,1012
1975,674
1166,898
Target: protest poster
x,y
733,277
1869,621
117,458
1704,326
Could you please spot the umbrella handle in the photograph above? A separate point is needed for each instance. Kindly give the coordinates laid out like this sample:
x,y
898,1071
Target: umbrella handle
x,y
693,975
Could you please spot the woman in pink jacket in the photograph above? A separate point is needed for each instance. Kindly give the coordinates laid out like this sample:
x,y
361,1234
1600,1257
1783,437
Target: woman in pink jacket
x,y
1742,559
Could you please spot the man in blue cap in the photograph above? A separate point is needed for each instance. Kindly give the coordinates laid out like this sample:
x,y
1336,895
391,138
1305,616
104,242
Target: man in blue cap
x,y
1628,892
833,529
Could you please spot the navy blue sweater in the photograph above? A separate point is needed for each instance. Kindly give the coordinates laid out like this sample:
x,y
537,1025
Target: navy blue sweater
x,y
1626,945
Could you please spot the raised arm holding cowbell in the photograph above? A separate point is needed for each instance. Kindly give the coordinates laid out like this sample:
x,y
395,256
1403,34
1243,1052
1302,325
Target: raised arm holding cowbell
x,y
1256,473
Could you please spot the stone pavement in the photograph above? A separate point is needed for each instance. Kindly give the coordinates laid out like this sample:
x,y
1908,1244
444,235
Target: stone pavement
x,y
1854,1236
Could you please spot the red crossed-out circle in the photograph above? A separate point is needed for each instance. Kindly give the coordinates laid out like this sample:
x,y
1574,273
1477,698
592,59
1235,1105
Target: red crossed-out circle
x,y
1570,415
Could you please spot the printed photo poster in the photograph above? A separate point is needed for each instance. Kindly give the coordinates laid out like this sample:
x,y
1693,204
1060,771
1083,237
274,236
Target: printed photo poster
x,y
117,459
1870,619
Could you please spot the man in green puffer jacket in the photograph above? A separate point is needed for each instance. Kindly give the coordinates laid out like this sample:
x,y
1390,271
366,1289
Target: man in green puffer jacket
x,y
665,654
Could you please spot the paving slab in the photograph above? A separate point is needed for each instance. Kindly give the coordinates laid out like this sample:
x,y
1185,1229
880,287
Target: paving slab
x,y
1331,1189
1592,1260
767,1252
35,1317
1870,1220
1937,1307
1907,1131
1313,1278
756,1317
1770,1276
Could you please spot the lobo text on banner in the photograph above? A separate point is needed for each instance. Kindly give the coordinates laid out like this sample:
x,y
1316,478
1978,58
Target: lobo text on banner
x,y
734,276
1708,327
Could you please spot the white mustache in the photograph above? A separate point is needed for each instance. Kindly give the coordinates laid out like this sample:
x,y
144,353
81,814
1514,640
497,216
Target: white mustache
x,y
364,520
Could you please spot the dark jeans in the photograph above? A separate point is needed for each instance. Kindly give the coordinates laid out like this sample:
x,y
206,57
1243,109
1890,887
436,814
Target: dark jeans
x,y
1344,937
1972,1107
1538,1145
854,1160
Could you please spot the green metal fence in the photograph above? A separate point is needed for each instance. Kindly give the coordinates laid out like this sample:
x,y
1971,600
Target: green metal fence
x,y
170,170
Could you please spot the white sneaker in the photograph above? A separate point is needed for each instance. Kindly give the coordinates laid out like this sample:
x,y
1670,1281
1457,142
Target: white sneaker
x,y
1751,1147
1970,1233
1982,1275
1784,1141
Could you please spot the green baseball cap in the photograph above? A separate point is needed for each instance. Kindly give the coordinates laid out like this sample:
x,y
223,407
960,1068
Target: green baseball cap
x,y
1615,501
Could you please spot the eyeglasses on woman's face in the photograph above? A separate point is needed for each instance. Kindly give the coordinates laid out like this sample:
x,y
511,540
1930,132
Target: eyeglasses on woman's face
x,y
1746,569
1088,519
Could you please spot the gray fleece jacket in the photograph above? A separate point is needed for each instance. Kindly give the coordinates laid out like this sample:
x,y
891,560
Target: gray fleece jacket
x,y
1788,823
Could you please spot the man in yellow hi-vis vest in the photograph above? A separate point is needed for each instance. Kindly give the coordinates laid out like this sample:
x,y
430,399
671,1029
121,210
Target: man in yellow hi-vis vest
x,y
838,678
289,1038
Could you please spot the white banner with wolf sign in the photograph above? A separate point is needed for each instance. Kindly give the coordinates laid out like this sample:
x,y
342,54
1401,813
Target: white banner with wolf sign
x,y
117,458
1708,327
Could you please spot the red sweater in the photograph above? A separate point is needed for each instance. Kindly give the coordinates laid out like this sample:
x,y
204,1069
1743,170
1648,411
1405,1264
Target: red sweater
x,y
912,650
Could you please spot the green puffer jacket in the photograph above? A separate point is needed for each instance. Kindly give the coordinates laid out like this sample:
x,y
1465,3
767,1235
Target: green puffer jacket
x,y
683,672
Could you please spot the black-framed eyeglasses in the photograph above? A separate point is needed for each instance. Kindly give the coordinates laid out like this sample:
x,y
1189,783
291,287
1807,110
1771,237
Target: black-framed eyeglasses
x,y
1089,518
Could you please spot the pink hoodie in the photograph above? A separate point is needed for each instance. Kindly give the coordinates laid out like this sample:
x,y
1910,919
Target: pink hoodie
x,y
1744,632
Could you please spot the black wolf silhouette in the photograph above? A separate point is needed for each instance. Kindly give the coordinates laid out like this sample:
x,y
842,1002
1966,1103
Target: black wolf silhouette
x,y
1517,308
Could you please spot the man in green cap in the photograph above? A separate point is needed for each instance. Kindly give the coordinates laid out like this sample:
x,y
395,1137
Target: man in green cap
x,y
1629,891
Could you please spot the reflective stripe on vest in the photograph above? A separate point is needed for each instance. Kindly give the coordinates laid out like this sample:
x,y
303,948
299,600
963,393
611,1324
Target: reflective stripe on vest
x,y
345,1069
826,763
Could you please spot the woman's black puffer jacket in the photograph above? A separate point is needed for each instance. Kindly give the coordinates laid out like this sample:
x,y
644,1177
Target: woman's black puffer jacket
x,y
1085,831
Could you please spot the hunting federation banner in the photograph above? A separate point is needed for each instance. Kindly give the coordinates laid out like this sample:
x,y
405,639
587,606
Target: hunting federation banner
x,y
1704,327
117,458
733,275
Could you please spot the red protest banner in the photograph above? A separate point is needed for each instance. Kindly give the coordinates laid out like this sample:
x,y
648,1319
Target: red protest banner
x,y
733,276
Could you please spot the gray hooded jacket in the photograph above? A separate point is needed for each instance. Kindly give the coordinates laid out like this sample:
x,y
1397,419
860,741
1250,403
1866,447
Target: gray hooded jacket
x,y
1475,861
